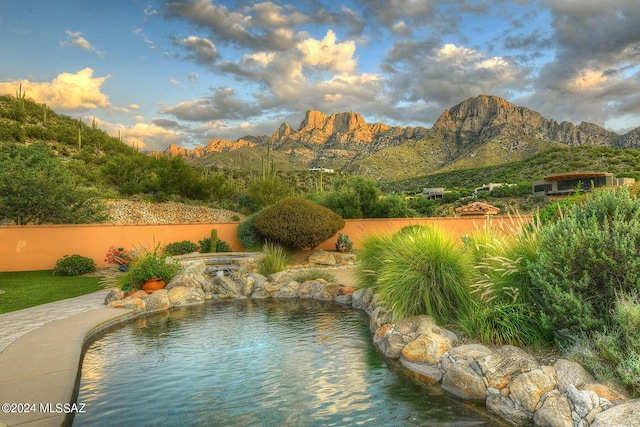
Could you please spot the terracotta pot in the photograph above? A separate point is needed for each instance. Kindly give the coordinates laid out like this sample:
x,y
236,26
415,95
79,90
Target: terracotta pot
x,y
153,285
131,292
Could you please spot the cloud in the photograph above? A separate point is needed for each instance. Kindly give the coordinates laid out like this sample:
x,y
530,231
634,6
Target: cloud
x,y
199,49
593,76
328,54
67,92
269,28
75,39
437,76
223,104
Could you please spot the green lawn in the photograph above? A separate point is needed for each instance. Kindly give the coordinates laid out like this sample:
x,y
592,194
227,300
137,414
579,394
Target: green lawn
x,y
30,288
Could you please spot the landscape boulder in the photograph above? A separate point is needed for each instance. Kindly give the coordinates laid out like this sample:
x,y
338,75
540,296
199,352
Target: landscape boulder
x,y
191,276
157,301
623,415
463,381
182,295
504,363
527,388
322,257
569,372
555,411
427,348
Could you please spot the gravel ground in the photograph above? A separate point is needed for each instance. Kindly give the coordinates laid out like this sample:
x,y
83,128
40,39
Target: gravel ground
x,y
141,212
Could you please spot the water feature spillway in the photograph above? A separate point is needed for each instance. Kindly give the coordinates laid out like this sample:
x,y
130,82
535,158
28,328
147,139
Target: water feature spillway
x,y
254,363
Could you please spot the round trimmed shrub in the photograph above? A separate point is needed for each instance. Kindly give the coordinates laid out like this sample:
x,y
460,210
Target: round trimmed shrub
x,y
249,237
74,265
298,223
180,248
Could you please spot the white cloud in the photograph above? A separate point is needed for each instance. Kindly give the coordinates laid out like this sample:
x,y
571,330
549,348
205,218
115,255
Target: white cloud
x,y
75,39
149,137
328,54
68,92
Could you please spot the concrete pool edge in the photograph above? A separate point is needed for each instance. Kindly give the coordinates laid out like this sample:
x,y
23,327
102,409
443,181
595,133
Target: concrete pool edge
x,y
39,372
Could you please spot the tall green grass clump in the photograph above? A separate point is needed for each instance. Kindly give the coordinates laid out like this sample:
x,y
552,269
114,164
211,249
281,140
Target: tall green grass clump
x,y
275,259
371,258
506,311
419,270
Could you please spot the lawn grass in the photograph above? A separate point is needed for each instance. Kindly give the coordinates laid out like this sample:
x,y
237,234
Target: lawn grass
x,y
30,288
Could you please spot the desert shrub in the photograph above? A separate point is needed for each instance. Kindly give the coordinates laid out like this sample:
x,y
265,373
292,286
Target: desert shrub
x,y
221,245
275,259
344,243
419,271
585,260
314,274
74,265
249,237
180,248
298,223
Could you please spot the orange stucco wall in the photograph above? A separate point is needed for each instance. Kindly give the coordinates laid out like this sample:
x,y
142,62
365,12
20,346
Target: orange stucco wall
x,y
38,247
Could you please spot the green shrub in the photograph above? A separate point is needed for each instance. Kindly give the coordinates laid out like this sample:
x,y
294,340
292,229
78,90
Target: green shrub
x,y
420,271
74,265
149,265
314,274
585,260
344,243
298,223
221,245
249,237
180,248
275,259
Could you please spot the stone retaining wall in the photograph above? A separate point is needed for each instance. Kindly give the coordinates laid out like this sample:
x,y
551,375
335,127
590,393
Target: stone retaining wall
x,y
508,380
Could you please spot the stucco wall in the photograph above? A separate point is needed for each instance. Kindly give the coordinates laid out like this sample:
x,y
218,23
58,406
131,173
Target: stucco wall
x,y
38,247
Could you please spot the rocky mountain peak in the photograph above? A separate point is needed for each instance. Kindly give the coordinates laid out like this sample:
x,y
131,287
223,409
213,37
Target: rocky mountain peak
x,y
312,120
477,114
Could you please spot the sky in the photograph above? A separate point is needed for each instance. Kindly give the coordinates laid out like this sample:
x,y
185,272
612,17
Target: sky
x,y
187,71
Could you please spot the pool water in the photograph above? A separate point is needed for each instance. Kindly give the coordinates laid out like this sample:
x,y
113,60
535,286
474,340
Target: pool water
x,y
254,363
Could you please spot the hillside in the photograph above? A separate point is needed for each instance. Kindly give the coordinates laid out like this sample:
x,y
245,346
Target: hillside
x,y
619,161
483,139
481,131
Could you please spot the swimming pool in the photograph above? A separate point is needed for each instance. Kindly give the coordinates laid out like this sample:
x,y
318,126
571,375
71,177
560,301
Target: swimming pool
x,y
254,363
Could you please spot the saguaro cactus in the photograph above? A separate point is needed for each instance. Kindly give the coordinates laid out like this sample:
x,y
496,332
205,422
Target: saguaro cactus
x,y
214,241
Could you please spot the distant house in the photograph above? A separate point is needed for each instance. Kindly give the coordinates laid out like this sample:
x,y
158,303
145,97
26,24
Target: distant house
x,y
325,170
433,193
477,208
491,186
569,182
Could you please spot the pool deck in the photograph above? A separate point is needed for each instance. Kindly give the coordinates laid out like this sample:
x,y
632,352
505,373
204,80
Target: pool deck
x,y
40,354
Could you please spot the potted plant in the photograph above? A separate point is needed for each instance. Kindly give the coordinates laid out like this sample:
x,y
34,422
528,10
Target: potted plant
x,y
120,257
151,271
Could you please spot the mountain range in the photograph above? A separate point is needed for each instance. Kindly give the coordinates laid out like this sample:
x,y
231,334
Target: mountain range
x,y
481,131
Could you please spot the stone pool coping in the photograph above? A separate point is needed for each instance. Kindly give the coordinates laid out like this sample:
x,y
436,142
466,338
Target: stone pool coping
x,y
42,367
